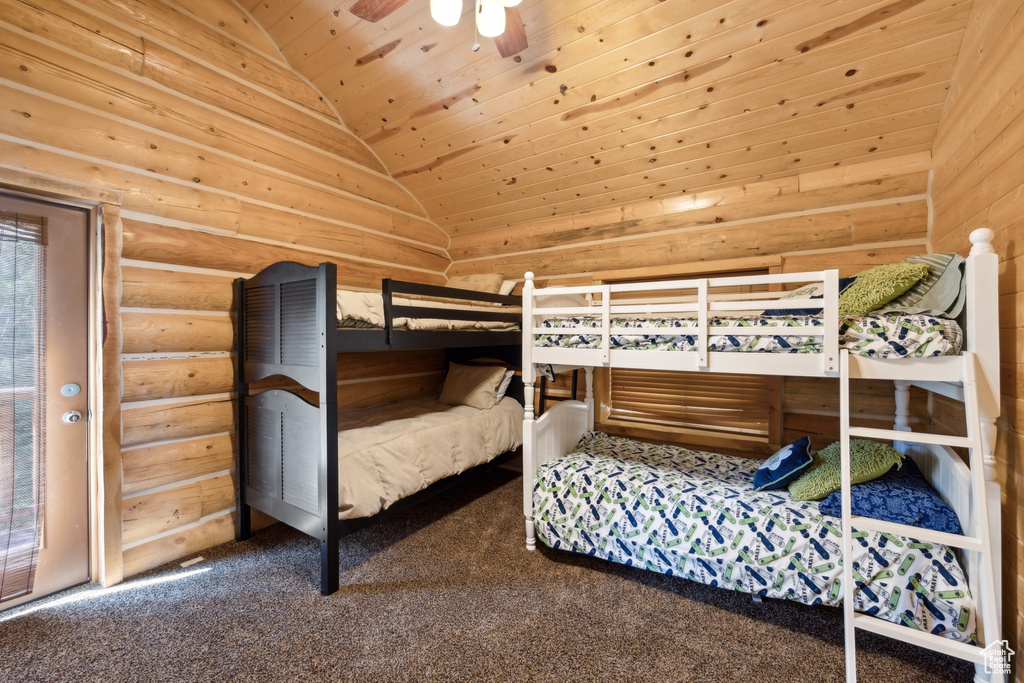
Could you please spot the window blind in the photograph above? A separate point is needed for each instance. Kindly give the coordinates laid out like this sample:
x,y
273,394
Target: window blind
x,y
22,398
719,403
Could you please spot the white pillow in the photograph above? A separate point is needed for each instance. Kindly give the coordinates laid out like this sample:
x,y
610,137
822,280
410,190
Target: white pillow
x,y
806,291
506,287
503,387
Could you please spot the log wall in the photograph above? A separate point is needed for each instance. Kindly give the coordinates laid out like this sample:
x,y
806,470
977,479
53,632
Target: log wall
x,y
848,218
225,160
979,181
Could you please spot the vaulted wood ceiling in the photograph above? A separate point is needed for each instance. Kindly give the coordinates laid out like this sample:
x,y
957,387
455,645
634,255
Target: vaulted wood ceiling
x,y
616,101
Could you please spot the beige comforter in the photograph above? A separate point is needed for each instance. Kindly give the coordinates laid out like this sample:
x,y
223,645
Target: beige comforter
x,y
388,452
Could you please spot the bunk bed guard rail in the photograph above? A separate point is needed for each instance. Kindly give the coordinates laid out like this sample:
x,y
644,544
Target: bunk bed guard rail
x,y
701,299
408,309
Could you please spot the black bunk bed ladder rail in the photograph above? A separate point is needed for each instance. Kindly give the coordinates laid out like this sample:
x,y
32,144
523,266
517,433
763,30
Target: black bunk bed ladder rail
x,y
288,457
980,541
243,516
327,300
387,292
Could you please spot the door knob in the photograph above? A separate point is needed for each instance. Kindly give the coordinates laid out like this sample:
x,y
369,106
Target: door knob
x,y
71,417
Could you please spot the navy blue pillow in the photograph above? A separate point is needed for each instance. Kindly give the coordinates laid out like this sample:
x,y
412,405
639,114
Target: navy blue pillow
x,y
900,495
784,466
844,282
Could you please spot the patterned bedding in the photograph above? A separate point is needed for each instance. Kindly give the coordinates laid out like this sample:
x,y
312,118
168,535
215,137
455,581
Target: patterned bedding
x,y
888,335
696,515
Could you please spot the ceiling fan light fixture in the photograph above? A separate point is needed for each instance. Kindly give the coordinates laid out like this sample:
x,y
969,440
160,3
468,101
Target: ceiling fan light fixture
x,y
446,12
490,18
511,3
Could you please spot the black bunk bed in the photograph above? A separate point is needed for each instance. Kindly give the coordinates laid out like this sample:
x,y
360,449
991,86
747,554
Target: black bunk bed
x,y
287,446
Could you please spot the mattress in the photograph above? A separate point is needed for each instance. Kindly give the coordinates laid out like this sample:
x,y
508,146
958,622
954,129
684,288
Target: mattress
x,y
881,336
390,451
366,310
696,515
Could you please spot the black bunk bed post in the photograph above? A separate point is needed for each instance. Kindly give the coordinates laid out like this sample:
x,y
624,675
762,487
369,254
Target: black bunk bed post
x,y
386,292
327,324
243,523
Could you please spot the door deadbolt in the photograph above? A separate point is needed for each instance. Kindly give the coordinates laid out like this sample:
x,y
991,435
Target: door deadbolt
x,y
71,417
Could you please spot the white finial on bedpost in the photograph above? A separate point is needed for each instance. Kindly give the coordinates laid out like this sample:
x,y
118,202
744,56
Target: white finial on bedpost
x,y
981,241
529,446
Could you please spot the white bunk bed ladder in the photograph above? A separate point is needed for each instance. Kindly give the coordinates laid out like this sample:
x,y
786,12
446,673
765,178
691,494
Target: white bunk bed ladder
x,y
979,542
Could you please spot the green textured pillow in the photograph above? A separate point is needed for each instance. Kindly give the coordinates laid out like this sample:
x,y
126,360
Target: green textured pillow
x,y
878,286
868,460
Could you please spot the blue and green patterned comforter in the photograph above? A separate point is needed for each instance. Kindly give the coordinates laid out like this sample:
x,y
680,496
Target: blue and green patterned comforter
x,y
696,515
882,336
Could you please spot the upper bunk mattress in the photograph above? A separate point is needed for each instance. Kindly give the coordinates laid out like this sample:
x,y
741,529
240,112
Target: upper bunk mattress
x,y
880,336
696,515
365,310
387,452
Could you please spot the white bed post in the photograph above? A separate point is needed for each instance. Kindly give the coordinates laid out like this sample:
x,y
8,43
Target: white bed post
x,y
849,631
529,441
982,338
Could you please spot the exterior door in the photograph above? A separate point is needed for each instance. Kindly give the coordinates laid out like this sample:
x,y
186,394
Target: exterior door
x,y
44,375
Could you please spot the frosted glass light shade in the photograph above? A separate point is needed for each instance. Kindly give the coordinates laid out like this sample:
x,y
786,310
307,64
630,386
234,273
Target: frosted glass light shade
x,y
510,3
490,18
446,12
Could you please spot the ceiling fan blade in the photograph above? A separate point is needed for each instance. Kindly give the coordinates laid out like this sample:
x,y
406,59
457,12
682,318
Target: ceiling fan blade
x,y
513,40
375,10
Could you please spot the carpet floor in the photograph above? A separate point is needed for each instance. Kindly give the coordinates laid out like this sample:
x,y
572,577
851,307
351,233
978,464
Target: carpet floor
x,y
443,592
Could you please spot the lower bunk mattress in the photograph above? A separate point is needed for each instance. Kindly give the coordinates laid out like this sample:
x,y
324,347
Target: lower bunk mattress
x,y
696,515
388,452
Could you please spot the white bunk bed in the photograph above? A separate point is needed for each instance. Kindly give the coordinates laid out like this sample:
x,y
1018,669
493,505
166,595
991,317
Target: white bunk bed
x,y
971,377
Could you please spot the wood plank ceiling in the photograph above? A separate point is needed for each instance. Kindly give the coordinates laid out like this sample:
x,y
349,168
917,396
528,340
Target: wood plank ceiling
x,y
618,101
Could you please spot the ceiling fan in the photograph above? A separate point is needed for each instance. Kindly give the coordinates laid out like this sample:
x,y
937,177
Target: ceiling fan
x,y
498,19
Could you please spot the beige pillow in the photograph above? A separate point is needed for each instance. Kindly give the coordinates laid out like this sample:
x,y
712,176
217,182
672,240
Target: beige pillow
x,y
475,386
481,282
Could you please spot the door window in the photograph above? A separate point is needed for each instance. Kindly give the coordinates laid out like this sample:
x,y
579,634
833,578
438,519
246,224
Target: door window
x,y
22,397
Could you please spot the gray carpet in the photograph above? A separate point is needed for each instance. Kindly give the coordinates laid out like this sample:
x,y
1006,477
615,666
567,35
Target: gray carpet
x,y
445,592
